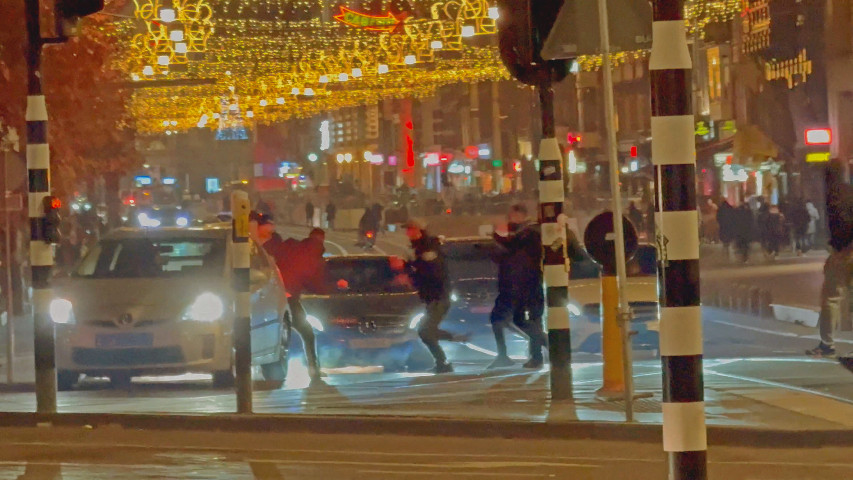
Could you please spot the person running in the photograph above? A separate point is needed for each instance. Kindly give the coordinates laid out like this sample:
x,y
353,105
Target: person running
x,y
331,213
520,295
301,267
429,274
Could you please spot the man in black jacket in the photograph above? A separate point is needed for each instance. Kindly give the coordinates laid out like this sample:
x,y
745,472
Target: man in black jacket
x,y
429,275
520,293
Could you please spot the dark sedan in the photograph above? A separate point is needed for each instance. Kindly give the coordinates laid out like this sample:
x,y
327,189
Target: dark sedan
x,y
368,315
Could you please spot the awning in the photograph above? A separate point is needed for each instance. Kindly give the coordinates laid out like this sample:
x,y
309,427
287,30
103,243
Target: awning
x,y
751,142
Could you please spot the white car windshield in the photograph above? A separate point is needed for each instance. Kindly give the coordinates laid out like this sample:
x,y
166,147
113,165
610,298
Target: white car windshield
x,y
151,258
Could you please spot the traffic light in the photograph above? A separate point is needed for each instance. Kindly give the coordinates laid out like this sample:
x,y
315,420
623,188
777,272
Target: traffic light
x,y
52,219
69,13
523,26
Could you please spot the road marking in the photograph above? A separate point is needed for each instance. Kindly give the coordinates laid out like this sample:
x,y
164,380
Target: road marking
x,y
338,246
793,388
774,332
458,474
434,466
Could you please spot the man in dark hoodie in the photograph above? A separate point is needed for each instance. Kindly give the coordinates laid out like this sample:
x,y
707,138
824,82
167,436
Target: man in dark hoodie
x,y
429,274
301,267
520,294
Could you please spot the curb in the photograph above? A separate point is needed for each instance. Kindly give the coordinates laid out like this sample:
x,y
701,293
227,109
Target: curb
x,y
431,427
798,314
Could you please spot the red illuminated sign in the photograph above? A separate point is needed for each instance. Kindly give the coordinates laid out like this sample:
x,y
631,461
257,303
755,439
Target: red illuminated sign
x,y
377,23
634,151
818,136
472,152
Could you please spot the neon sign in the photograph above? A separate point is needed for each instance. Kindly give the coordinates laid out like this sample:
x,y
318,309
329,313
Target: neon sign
x,y
377,23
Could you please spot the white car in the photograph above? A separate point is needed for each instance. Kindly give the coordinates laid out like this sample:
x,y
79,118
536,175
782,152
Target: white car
x,y
159,301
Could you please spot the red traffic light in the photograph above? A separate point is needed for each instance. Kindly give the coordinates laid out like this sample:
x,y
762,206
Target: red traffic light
x,y
818,136
51,203
633,151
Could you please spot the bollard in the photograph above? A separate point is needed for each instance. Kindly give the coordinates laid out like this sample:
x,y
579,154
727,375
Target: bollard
x,y
766,298
611,340
241,256
754,301
731,298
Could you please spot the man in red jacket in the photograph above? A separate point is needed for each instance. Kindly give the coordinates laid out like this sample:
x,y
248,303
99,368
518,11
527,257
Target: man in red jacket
x,y
301,266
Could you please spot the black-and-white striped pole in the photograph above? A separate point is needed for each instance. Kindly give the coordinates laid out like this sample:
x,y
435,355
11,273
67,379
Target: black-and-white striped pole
x,y
556,273
676,220
41,251
241,258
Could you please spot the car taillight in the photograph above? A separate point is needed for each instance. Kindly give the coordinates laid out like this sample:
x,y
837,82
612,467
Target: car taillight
x,y
369,234
345,322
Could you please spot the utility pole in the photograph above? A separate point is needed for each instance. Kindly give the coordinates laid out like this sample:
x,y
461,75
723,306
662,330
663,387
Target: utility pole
x,y
677,232
41,251
240,281
43,209
556,272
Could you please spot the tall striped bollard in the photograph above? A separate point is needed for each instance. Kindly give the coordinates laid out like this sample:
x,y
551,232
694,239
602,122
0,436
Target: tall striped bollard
x,y
676,220
41,251
241,256
556,273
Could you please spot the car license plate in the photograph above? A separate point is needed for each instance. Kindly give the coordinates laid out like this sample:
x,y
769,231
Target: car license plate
x,y
118,340
370,343
483,309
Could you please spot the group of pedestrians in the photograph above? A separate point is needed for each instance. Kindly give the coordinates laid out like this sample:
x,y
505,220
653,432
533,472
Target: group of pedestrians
x,y
772,226
520,302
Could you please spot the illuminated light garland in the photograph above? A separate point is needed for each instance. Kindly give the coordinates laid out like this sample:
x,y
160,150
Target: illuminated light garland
x,y
265,60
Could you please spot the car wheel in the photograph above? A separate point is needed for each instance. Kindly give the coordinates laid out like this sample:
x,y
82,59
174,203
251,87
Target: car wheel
x,y
276,372
65,380
120,381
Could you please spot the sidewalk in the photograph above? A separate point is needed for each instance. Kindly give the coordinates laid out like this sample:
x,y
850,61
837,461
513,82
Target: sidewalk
x,y
738,402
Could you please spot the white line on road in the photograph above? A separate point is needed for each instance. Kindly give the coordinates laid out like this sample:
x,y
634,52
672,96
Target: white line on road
x,y
456,474
434,466
785,386
775,332
338,246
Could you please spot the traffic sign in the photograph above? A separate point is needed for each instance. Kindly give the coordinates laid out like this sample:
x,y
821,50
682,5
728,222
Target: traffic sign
x,y
599,240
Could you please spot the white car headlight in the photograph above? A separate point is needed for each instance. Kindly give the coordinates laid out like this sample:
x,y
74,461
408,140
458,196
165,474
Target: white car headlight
x,y
416,320
146,221
454,297
61,311
182,221
207,307
315,323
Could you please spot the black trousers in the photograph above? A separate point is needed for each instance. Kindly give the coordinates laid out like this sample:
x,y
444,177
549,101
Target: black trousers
x,y
305,331
526,314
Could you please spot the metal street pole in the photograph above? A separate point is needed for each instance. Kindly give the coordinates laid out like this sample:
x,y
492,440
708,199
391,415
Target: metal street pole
x,y
624,311
10,307
241,264
41,251
677,232
556,269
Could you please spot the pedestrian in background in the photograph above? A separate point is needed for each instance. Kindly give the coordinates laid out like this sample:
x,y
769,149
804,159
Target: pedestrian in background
x,y
798,215
742,223
429,274
814,217
309,213
725,221
331,212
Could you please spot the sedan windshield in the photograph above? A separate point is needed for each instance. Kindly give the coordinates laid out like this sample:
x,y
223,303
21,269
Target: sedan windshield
x,y
363,276
150,258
